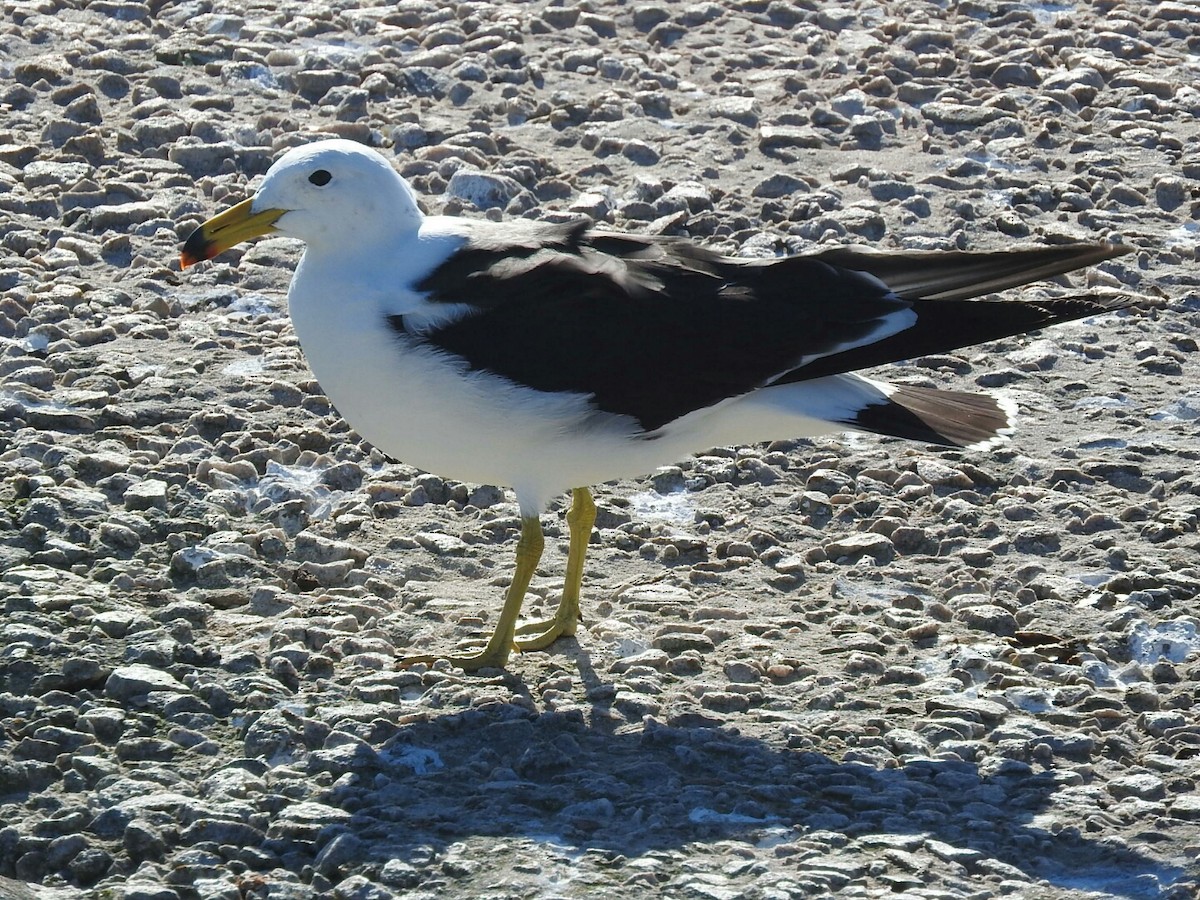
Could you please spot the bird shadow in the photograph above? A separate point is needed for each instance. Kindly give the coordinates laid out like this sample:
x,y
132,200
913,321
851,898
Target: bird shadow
x,y
587,780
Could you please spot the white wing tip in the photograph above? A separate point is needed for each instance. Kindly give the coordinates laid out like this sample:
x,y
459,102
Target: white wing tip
x,y
1008,406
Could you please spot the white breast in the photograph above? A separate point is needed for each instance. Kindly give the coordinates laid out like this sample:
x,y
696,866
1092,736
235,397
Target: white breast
x,y
425,408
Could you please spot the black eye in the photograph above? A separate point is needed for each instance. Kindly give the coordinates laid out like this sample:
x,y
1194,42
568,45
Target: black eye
x,y
320,178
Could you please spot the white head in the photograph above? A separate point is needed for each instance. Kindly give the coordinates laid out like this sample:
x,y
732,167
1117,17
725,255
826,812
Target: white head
x,y
336,191
336,196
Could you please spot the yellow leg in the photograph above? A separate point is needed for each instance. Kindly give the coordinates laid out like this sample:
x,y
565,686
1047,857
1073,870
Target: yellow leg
x,y
580,519
495,654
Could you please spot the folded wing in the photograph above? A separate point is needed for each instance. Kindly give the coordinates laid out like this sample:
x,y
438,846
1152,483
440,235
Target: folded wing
x,y
655,328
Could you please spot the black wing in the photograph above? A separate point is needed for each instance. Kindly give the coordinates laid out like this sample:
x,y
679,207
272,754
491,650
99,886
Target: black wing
x,y
654,328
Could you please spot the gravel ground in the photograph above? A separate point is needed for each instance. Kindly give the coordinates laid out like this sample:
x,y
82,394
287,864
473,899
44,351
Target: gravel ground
x,y
845,668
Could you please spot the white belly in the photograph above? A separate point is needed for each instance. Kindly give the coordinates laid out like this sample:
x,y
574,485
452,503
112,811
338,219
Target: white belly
x,y
425,408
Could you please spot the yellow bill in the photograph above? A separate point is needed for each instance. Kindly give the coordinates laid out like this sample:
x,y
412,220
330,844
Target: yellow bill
x,y
227,229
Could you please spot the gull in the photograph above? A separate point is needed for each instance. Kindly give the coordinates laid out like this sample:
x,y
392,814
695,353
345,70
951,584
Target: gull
x,y
549,357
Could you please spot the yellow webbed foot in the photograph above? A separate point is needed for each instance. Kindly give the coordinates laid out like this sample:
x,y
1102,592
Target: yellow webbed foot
x,y
580,519
487,658
541,633
501,643
546,631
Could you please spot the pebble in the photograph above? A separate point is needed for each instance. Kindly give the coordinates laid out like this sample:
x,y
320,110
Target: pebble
x,y
940,475
956,116
781,184
853,547
1170,192
1144,787
743,110
774,138
128,682
482,189
689,196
